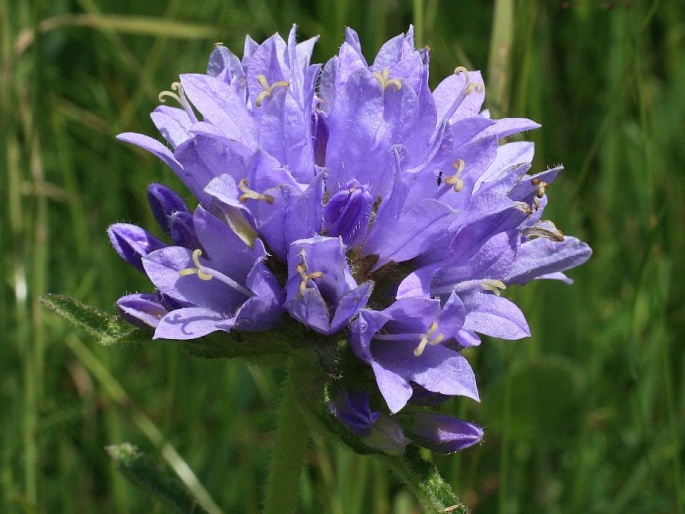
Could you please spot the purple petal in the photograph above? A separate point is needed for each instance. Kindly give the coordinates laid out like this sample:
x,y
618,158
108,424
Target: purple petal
x,y
310,309
442,433
173,124
409,235
353,410
439,370
164,203
494,316
155,148
191,323
220,104
540,256
451,101
141,309
396,389
262,311
508,126
350,304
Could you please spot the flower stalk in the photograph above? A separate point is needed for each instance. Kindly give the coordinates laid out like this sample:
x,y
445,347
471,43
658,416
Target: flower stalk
x,y
423,479
292,434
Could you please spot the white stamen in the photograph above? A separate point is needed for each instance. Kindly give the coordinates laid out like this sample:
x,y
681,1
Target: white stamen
x,y
306,277
469,87
180,97
268,90
204,273
382,77
428,339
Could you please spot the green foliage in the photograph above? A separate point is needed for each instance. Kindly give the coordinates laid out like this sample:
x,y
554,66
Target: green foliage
x,y
141,470
583,417
105,328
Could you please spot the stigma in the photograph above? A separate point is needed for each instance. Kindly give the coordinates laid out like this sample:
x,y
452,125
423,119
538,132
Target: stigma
x,y
493,285
268,90
428,339
545,229
180,97
382,77
206,274
540,187
455,180
469,87
250,194
306,277
487,284
197,270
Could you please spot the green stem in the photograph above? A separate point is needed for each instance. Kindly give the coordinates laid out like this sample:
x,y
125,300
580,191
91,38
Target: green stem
x,y
425,482
286,460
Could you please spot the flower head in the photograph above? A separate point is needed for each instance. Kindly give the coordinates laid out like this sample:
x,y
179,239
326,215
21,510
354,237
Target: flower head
x,y
354,200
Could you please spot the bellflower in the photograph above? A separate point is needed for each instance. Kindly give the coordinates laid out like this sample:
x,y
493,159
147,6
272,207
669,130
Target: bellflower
x,y
351,199
438,432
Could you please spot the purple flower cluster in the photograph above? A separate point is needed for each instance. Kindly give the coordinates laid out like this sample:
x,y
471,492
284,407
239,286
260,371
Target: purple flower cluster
x,y
353,199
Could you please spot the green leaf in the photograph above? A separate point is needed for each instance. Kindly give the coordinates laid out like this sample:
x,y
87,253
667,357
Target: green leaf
x,y
108,329
141,471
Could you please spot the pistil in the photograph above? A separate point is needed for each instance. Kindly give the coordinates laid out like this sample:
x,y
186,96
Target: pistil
x,y
306,277
251,194
268,90
180,97
456,180
428,339
469,87
382,77
205,273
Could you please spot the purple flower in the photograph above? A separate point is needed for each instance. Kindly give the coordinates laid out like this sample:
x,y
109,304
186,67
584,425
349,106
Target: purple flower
x,y
442,433
409,343
132,243
141,309
165,203
368,207
375,429
354,411
438,432
223,286
321,292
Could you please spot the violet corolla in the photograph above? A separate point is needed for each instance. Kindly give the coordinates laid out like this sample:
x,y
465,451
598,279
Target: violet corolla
x,y
383,217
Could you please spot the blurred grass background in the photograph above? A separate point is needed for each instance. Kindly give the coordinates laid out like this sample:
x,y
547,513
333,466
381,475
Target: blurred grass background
x,y
586,416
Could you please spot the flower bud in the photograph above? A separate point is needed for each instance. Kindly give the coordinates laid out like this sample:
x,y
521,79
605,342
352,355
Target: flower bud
x,y
348,212
132,243
442,433
164,203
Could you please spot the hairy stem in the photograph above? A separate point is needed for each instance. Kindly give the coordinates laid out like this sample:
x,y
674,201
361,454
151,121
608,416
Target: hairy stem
x,y
286,460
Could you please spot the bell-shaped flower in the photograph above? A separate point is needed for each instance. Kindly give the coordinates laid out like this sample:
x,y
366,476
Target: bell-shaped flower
x,y
321,292
408,343
393,215
226,288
